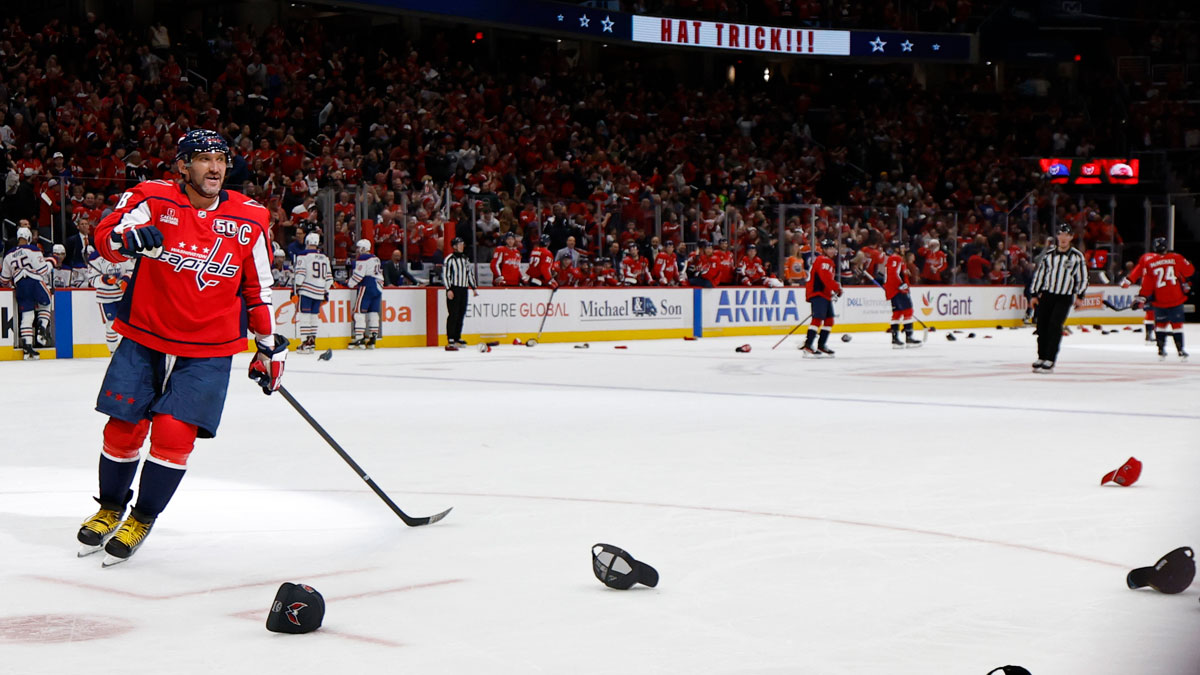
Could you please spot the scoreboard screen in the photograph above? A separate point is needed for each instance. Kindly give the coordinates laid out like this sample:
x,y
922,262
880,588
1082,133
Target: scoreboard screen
x,y
1090,171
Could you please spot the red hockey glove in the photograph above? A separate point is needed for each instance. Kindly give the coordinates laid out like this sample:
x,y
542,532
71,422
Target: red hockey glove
x,y
266,366
1138,302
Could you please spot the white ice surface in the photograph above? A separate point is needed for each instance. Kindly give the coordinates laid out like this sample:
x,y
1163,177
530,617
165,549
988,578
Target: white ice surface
x,y
927,511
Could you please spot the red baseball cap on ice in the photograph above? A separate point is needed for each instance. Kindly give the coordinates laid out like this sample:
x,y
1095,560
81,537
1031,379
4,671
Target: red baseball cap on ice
x,y
1126,475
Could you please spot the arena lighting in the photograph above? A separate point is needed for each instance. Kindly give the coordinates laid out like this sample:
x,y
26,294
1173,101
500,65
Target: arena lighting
x,y
766,74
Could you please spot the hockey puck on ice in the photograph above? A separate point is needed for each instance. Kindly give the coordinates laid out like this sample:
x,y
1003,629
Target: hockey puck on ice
x,y
932,329
620,347
742,349
326,356
298,608
846,338
970,335
999,327
582,346
950,337
1096,326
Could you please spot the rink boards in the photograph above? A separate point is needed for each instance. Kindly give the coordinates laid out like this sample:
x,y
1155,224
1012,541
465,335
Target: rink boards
x,y
415,317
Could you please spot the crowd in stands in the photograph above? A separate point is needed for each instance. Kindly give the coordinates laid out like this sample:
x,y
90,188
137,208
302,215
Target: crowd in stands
x,y
409,145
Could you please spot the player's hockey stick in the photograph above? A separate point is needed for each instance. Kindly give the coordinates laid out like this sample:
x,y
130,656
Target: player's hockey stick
x,y
533,341
793,330
408,520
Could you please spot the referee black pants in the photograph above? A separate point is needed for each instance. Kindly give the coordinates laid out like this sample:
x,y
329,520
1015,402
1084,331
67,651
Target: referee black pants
x,y
1052,313
456,308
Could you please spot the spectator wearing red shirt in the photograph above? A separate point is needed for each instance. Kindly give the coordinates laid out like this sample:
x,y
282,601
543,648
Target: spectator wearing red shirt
x,y
935,262
978,268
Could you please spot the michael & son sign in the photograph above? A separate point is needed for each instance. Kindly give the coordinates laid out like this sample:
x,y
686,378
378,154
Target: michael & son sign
x,y
576,313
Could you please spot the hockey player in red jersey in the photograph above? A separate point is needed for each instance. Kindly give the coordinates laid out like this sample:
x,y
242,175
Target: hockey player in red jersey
x,y
666,266
895,288
822,289
723,260
506,263
541,261
634,270
606,276
1170,279
203,271
1138,273
750,269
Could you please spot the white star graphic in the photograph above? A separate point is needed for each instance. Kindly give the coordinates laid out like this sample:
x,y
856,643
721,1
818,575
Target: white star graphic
x,y
206,249
876,44
936,46
560,17
183,244
906,46
194,247
584,21
608,24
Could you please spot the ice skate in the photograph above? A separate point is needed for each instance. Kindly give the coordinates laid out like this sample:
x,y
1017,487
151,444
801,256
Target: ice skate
x,y
128,539
307,347
896,342
1046,367
30,354
809,352
357,344
95,532
911,343
369,343
43,334
825,352
1183,356
1162,353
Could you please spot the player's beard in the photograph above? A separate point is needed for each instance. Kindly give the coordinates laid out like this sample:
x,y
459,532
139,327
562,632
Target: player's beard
x,y
208,185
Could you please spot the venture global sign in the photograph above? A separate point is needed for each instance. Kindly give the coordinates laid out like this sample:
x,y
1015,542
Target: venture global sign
x,y
758,306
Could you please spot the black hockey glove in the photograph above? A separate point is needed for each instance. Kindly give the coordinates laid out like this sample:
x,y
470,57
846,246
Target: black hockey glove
x,y
146,240
266,366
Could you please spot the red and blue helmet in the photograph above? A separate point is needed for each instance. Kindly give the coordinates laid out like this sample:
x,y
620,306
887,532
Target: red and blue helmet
x,y
201,140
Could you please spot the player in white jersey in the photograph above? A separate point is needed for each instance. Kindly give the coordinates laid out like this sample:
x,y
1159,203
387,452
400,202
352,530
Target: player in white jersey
x,y
29,274
368,279
61,275
311,283
109,279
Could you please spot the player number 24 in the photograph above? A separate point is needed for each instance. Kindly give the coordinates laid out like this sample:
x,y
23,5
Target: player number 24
x,y
1165,274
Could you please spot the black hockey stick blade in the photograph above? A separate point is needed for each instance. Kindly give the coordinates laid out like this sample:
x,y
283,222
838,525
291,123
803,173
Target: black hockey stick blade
x,y
1114,308
408,520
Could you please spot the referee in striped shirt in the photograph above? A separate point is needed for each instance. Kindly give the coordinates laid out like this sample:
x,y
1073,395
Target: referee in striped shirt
x,y
1058,283
458,274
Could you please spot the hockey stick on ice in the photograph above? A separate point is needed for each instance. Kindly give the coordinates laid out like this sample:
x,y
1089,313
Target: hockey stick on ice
x,y
533,341
793,330
408,520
